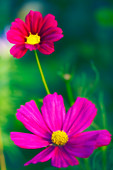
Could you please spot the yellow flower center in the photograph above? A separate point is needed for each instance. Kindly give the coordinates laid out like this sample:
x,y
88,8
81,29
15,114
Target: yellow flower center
x,y
59,137
33,39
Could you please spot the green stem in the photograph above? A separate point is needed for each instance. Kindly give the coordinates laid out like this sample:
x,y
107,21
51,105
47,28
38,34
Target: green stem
x,y
104,157
71,100
41,73
104,126
69,92
2,159
87,164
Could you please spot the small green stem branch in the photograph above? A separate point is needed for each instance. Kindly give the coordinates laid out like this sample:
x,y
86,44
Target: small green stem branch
x,y
2,159
69,92
41,73
96,81
95,126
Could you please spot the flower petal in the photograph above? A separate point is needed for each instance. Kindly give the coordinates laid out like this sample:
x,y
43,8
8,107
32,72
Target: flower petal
x,y
46,47
82,151
61,158
103,138
43,156
52,37
32,119
20,26
53,111
32,47
79,116
83,144
34,21
15,37
52,34
28,141
48,22
52,30
18,51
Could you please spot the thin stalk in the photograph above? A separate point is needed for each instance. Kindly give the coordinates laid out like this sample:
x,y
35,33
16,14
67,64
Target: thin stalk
x,y
69,92
2,159
71,100
87,164
41,73
104,126
104,158
96,82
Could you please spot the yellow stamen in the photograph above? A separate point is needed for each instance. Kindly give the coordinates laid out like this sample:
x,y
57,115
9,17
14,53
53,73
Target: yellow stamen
x,y
33,39
59,137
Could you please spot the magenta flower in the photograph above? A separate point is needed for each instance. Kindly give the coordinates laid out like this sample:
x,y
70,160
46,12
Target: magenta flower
x,y
62,134
36,32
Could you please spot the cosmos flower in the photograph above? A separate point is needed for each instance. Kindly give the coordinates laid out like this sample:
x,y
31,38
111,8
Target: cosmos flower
x,y
36,32
62,134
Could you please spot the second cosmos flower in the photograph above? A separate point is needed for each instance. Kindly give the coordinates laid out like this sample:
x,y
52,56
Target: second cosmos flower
x,y
36,32
60,132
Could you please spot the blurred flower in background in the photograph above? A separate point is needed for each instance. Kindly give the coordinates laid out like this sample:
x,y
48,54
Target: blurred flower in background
x,y
5,67
5,45
27,6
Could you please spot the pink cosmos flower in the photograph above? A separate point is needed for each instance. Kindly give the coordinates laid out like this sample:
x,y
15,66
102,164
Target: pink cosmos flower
x,y
36,32
62,134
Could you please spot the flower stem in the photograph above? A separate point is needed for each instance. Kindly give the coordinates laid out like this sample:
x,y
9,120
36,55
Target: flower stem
x,y
87,164
41,73
2,159
69,92
71,100
104,126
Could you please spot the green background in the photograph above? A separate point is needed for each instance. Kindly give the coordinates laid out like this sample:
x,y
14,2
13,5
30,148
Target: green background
x,y
85,52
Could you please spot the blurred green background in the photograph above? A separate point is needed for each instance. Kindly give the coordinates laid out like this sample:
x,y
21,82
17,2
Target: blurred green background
x,y
85,53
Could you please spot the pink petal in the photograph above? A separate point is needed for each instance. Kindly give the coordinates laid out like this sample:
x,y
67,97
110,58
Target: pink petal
x,y
32,119
103,139
34,21
82,151
28,141
46,48
83,144
79,116
20,26
52,34
52,30
32,47
53,111
62,159
15,37
48,22
43,156
52,37
18,51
